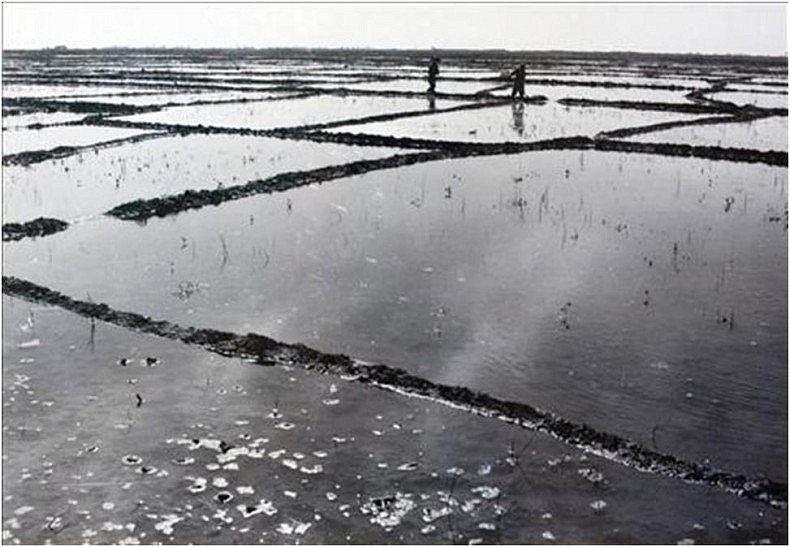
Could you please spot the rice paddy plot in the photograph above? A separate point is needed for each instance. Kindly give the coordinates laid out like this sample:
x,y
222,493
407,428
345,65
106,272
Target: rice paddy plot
x,y
761,100
762,134
555,93
416,85
287,113
53,90
599,285
18,121
624,79
515,123
25,140
95,181
203,456
181,98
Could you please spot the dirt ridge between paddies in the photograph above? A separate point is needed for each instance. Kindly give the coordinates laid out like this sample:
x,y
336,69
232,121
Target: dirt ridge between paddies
x,y
144,209
37,156
266,351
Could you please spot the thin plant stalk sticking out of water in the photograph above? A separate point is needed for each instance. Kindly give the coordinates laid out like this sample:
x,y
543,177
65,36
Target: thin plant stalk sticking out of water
x,y
224,251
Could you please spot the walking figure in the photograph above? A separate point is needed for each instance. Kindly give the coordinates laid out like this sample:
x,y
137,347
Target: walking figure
x,y
518,82
433,72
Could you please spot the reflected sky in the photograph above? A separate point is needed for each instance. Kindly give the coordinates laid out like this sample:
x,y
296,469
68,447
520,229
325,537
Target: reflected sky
x,y
599,286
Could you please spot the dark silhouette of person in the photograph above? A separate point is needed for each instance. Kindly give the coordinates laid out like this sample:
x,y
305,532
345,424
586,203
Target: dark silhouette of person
x,y
433,72
518,82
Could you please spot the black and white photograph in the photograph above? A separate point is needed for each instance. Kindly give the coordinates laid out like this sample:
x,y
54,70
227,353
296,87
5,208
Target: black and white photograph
x,y
394,273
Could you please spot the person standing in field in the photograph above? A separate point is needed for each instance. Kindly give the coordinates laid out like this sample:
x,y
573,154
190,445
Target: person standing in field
x,y
433,72
518,82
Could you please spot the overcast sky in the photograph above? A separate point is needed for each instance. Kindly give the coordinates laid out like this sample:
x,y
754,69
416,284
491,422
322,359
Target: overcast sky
x,y
703,28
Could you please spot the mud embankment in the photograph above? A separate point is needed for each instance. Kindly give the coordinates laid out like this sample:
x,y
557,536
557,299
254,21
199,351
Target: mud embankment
x,y
36,156
266,351
41,226
408,114
630,131
29,104
141,210
681,108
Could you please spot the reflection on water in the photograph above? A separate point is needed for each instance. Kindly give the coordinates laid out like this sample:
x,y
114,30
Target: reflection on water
x,y
518,118
642,296
494,124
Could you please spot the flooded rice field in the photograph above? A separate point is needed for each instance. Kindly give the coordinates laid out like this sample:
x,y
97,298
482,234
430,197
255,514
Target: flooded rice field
x,y
177,302
26,140
517,122
760,99
760,134
297,112
93,182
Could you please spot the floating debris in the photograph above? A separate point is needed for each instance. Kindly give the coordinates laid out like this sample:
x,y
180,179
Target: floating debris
x,y
147,470
295,527
388,511
290,494
487,492
245,490
548,536
330,402
484,469
430,515
131,459
166,525
223,497
320,454
331,496
290,464
263,506
425,530
198,484
591,475
486,526
219,482
312,470
409,466
457,471
598,505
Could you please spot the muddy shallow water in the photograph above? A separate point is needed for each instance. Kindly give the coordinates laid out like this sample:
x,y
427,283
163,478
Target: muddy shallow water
x,y
763,134
643,295
599,286
514,123
22,140
221,451
95,181
294,112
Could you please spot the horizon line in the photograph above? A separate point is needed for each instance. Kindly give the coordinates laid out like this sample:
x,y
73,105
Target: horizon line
x,y
62,47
